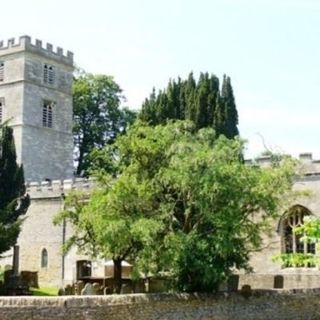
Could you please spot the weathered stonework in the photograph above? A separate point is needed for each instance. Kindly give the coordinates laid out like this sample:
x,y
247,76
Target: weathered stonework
x,y
46,153
264,268
267,305
39,232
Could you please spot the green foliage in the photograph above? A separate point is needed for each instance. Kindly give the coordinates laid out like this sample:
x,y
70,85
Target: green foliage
x,y
310,231
297,259
97,115
180,201
13,200
44,291
201,102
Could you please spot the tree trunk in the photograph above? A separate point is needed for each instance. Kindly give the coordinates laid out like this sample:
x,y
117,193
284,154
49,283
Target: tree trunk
x,y
117,275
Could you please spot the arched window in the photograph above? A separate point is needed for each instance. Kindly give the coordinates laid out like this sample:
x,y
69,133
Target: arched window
x,y
291,242
48,74
1,109
47,114
44,258
1,71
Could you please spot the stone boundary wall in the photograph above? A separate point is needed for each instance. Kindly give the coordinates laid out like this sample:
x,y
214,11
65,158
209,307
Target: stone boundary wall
x,y
282,305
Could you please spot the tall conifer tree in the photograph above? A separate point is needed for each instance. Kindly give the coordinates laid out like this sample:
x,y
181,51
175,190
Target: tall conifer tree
x,y
199,101
13,199
231,129
219,117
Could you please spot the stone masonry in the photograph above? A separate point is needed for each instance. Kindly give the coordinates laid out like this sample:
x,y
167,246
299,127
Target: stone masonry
x,y
262,305
32,76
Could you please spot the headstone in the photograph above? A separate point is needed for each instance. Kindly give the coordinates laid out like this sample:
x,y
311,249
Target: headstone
x,y
96,288
233,283
87,290
68,290
78,287
278,282
246,291
61,292
29,278
107,290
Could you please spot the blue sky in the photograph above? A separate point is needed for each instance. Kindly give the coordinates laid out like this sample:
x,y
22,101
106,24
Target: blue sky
x,y
269,48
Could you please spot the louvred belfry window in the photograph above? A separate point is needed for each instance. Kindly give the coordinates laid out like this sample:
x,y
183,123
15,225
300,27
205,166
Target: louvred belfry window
x,y
47,114
48,74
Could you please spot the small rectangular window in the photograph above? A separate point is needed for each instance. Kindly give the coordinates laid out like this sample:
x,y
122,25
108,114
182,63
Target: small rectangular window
x,y
1,109
47,114
48,74
1,71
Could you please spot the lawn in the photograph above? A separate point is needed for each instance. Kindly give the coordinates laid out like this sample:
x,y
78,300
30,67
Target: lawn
x,y
46,291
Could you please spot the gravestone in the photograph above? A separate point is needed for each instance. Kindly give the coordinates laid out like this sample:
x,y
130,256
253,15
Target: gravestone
x,y
78,287
278,282
88,290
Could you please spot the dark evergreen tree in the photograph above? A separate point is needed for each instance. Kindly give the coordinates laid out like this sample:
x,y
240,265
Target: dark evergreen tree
x,y
212,98
189,94
14,201
219,117
201,102
203,105
148,112
231,116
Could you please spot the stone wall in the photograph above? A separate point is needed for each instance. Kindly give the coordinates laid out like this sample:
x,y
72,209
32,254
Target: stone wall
x,y
284,305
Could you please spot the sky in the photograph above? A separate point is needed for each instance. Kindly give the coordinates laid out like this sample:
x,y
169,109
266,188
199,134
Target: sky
x,y
269,48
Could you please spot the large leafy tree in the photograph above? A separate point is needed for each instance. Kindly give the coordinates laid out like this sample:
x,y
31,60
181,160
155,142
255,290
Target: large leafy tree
x,y
97,115
200,101
13,199
121,220
180,200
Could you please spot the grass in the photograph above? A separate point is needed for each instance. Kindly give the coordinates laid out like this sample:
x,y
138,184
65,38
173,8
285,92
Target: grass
x,y
46,291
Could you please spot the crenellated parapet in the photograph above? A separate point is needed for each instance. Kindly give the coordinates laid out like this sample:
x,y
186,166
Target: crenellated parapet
x,y
59,188
308,166
24,43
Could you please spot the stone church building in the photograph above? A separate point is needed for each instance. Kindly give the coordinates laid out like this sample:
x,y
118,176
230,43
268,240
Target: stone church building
x,y
36,98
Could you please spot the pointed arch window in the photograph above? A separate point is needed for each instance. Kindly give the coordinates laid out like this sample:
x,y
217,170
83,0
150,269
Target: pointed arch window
x,y
44,258
291,242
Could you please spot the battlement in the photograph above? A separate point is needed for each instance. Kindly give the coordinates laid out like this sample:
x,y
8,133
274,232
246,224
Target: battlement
x,y
24,43
58,188
308,167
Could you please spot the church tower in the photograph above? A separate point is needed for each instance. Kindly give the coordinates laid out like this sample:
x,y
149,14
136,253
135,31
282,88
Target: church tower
x,y
36,99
